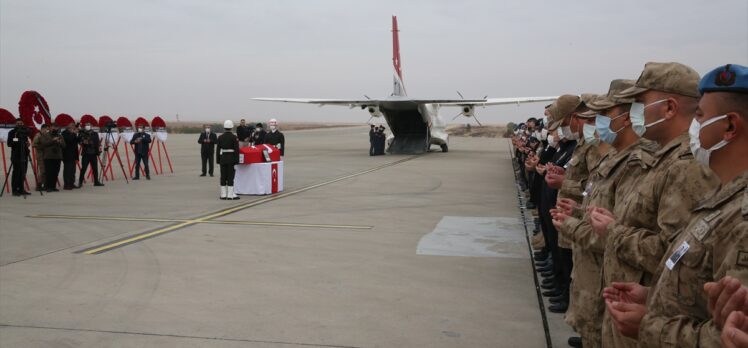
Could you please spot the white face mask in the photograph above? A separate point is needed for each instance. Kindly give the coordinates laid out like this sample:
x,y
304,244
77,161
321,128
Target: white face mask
x,y
272,128
637,117
543,134
589,132
140,130
551,140
88,127
568,134
207,130
699,153
258,129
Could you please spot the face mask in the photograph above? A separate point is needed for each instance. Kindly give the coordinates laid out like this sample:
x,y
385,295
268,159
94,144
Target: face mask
x,y
637,117
140,130
207,130
568,134
551,140
272,128
258,129
88,128
699,153
543,134
589,132
602,124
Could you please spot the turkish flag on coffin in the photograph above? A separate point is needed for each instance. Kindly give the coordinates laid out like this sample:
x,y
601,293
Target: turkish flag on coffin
x,y
255,154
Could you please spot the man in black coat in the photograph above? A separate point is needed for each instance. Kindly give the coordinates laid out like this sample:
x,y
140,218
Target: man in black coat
x,y
142,142
90,150
258,137
207,141
244,133
69,156
372,136
18,141
227,155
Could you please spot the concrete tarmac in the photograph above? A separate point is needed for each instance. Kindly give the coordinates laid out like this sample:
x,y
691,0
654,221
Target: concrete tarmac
x,y
355,281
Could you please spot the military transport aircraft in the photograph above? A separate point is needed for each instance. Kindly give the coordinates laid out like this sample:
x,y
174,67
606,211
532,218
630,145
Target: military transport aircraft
x,y
415,123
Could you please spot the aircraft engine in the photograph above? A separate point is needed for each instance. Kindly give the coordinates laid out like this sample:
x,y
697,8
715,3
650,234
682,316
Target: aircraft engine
x,y
374,111
468,111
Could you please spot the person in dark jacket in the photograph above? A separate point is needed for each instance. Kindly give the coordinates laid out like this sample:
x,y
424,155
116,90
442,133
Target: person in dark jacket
x,y
244,133
141,142
227,155
207,141
275,137
69,156
372,136
19,141
52,144
90,150
258,136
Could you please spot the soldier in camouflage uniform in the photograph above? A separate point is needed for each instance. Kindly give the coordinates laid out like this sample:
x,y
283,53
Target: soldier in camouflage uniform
x,y
614,173
714,244
639,229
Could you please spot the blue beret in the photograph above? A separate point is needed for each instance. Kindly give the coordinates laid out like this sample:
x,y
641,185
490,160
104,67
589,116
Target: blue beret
x,y
728,78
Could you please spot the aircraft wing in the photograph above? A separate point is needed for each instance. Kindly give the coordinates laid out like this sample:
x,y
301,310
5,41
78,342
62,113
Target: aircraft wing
x,y
496,101
368,102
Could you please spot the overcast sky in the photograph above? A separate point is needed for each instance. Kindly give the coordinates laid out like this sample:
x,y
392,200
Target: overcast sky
x,y
204,60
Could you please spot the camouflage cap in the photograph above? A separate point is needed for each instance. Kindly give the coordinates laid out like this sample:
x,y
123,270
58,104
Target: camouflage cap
x,y
674,78
562,109
587,99
612,98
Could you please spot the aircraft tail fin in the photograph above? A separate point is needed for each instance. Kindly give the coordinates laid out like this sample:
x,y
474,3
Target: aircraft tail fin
x,y
398,86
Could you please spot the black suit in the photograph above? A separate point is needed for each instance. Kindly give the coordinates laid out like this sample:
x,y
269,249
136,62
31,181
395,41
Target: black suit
x,y
207,143
276,139
258,137
142,149
90,143
19,155
69,157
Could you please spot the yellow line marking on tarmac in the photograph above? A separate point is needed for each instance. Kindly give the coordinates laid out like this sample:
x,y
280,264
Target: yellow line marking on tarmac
x,y
186,223
217,222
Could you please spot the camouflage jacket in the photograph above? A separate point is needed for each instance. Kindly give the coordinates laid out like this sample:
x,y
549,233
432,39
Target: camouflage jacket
x,y
714,244
615,171
586,156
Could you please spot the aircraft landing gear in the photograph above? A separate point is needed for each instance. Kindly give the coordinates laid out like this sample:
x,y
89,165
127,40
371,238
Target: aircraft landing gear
x,y
444,147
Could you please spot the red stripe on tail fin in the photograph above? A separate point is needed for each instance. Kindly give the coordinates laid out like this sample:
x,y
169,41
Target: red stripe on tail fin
x,y
399,86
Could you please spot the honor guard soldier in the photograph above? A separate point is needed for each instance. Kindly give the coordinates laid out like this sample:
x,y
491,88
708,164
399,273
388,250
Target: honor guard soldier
x,y
712,244
207,141
18,141
275,137
227,155
91,148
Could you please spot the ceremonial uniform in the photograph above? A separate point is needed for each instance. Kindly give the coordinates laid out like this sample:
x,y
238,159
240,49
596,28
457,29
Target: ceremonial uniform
x,y
227,155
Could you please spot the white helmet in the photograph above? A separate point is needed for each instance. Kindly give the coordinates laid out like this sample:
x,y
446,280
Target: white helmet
x,y
228,124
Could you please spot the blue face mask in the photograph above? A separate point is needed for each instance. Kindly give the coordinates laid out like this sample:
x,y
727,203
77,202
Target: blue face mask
x,y
589,132
602,124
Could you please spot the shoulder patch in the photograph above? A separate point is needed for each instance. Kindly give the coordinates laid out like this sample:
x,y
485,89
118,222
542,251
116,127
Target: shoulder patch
x,y
742,259
712,216
744,206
